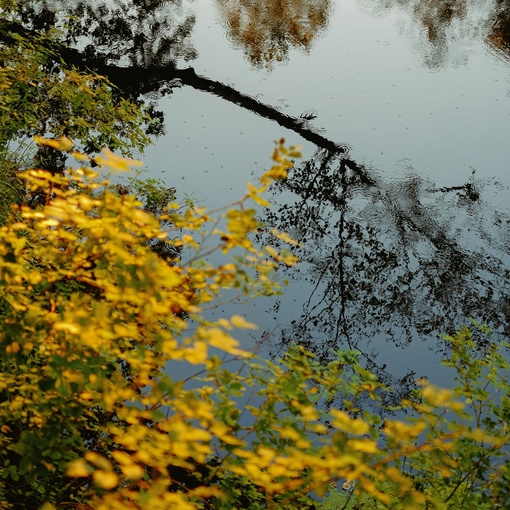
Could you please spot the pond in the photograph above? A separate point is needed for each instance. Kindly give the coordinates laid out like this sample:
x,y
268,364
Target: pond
x,y
400,200
417,93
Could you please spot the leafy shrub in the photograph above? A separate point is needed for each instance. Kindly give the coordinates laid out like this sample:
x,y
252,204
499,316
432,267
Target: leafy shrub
x,y
95,324
98,330
40,95
460,458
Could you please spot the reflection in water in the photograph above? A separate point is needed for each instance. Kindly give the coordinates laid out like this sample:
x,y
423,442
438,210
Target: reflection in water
x,y
396,261
154,77
500,33
446,28
267,29
131,42
138,33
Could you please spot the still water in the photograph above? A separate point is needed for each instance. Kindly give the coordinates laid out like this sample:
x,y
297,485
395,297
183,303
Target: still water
x,y
417,93
401,198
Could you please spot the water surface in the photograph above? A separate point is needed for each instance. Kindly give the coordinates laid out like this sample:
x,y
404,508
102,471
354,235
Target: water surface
x,y
418,92
402,107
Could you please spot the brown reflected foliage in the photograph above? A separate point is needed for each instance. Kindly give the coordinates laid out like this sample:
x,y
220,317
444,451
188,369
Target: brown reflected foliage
x,y
442,30
436,15
487,19
268,29
499,38
445,22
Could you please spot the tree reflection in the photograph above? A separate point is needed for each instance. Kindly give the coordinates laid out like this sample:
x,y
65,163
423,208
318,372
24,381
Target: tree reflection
x,y
137,33
397,261
499,37
393,261
444,23
267,29
129,41
445,27
152,78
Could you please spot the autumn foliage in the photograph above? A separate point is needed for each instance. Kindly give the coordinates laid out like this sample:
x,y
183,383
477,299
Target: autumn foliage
x,y
116,392
92,415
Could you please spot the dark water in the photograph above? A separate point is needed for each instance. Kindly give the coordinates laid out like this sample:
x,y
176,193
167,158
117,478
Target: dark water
x,y
401,200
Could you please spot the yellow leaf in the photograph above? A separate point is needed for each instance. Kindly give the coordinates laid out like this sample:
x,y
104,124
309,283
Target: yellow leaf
x,y
63,144
114,162
444,471
401,430
13,348
216,337
18,226
259,200
80,156
362,445
48,506
98,460
197,354
133,472
284,237
105,479
239,322
342,421
67,326
72,376
77,468
437,397
122,458
272,252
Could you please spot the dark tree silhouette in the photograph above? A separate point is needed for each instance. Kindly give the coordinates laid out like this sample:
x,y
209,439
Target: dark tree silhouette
x,y
397,261
406,247
139,33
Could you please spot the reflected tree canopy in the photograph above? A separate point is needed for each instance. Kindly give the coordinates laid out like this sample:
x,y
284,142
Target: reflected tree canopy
x,y
139,45
139,33
135,43
447,26
387,262
268,29
499,37
399,260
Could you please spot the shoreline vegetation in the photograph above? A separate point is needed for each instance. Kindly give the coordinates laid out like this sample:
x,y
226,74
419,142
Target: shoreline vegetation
x,y
98,303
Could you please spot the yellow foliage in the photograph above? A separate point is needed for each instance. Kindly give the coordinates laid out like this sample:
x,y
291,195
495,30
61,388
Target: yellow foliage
x,y
437,396
362,445
115,162
342,421
105,479
63,144
77,468
404,431
240,322
98,332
